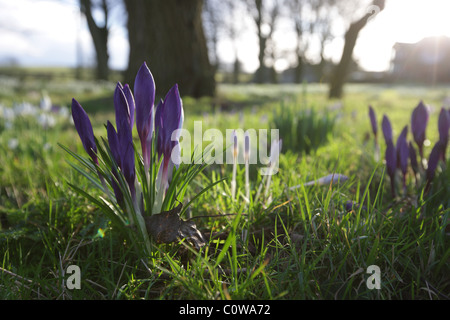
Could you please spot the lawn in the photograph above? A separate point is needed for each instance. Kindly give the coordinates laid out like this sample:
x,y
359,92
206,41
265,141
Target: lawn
x,y
286,243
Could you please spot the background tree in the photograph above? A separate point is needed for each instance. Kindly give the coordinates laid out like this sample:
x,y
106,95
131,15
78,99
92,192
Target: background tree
x,y
324,13
169,36
233,28
297,15
311,22
213,22
339,75
265,18
99,34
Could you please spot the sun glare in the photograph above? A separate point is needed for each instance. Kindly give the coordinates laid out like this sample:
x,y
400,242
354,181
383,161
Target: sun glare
x,y
414,20
402,21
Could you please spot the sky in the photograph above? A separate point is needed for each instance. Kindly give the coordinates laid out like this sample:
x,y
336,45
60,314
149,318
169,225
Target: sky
x,y
49,33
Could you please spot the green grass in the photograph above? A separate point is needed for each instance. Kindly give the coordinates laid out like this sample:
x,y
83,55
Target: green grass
x,y
303,245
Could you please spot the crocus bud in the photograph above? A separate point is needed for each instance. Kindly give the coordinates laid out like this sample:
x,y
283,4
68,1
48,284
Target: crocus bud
x,y
125,138
158,128
113,142
419,121
121,108
443,126
387,129
168,119
403,154
373,121
433,161
127,155
131,103
84,129
235,145
246,147
144,94
171,119
413,158
402,151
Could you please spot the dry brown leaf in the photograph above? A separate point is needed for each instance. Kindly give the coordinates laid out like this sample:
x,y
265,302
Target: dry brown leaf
x,y
168,227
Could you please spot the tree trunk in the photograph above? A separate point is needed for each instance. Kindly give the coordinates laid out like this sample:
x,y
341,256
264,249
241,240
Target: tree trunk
x,y
169,36
339,75
99,37
236,70
260,72
298,72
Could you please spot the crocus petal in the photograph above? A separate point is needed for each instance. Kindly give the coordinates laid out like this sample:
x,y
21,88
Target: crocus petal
x,y
121,107
168,118
402,151
113,142
419,121
373,121
131,104
171,117
387,129
127,158
434,160
128,167
235,145
413,158
443,126
84,129
144,94
158,128
246,146
352,205
391,159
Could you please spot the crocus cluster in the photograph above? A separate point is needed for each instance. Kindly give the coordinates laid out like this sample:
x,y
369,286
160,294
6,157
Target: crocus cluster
x,y
398,155
151,125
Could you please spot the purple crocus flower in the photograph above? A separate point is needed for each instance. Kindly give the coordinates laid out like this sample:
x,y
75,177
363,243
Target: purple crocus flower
x,y
144,93
387,129
158,126
121,107
403,154
84,129
413,158
373,121
433,161
113,142
125,138
131,103
127,159
390,153
374,124
168,118
439,149
443,126
419,121
352,205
